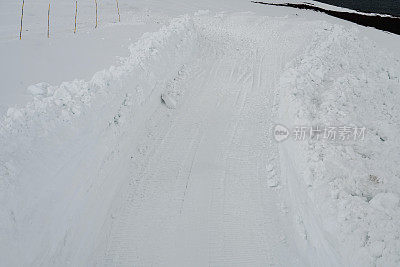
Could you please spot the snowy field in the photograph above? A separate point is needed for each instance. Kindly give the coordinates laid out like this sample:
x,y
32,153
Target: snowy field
x,y
152,141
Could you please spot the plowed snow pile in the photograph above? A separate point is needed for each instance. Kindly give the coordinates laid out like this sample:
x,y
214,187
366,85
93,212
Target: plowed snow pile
x,y
352,185
168,160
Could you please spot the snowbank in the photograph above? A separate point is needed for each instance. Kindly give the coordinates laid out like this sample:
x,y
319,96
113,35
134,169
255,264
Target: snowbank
x,y
50,149
350,188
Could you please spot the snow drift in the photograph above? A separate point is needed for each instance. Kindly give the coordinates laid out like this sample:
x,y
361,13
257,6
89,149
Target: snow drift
x,y
351,188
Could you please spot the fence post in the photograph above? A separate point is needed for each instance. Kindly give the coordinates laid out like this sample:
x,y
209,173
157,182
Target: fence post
x,y
119,17
95,1
76,13
48,22
22,16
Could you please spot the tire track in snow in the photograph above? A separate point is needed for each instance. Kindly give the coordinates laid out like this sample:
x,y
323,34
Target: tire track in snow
x,y
190,172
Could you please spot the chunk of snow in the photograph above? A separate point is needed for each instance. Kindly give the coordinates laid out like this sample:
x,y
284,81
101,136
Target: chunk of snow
x,y
169,101
269,168
385,202
38,89
272,182
376,248
271,174
14,113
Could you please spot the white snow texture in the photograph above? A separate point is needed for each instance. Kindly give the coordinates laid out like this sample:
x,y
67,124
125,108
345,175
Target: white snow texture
x,y
168,158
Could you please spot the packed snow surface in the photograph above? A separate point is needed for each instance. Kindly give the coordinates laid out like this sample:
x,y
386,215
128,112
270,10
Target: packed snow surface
x,y
168,157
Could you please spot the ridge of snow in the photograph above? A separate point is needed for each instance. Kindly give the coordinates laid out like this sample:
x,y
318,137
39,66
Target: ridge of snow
x,y
61,125
53,106
351,187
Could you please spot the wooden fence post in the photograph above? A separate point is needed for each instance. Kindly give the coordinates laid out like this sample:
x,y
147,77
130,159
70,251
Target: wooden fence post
x,y
95,1
76,13
119,17
48,22
22,16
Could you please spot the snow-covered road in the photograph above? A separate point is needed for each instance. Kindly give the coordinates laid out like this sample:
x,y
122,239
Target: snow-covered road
x,y
198,194
168,157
